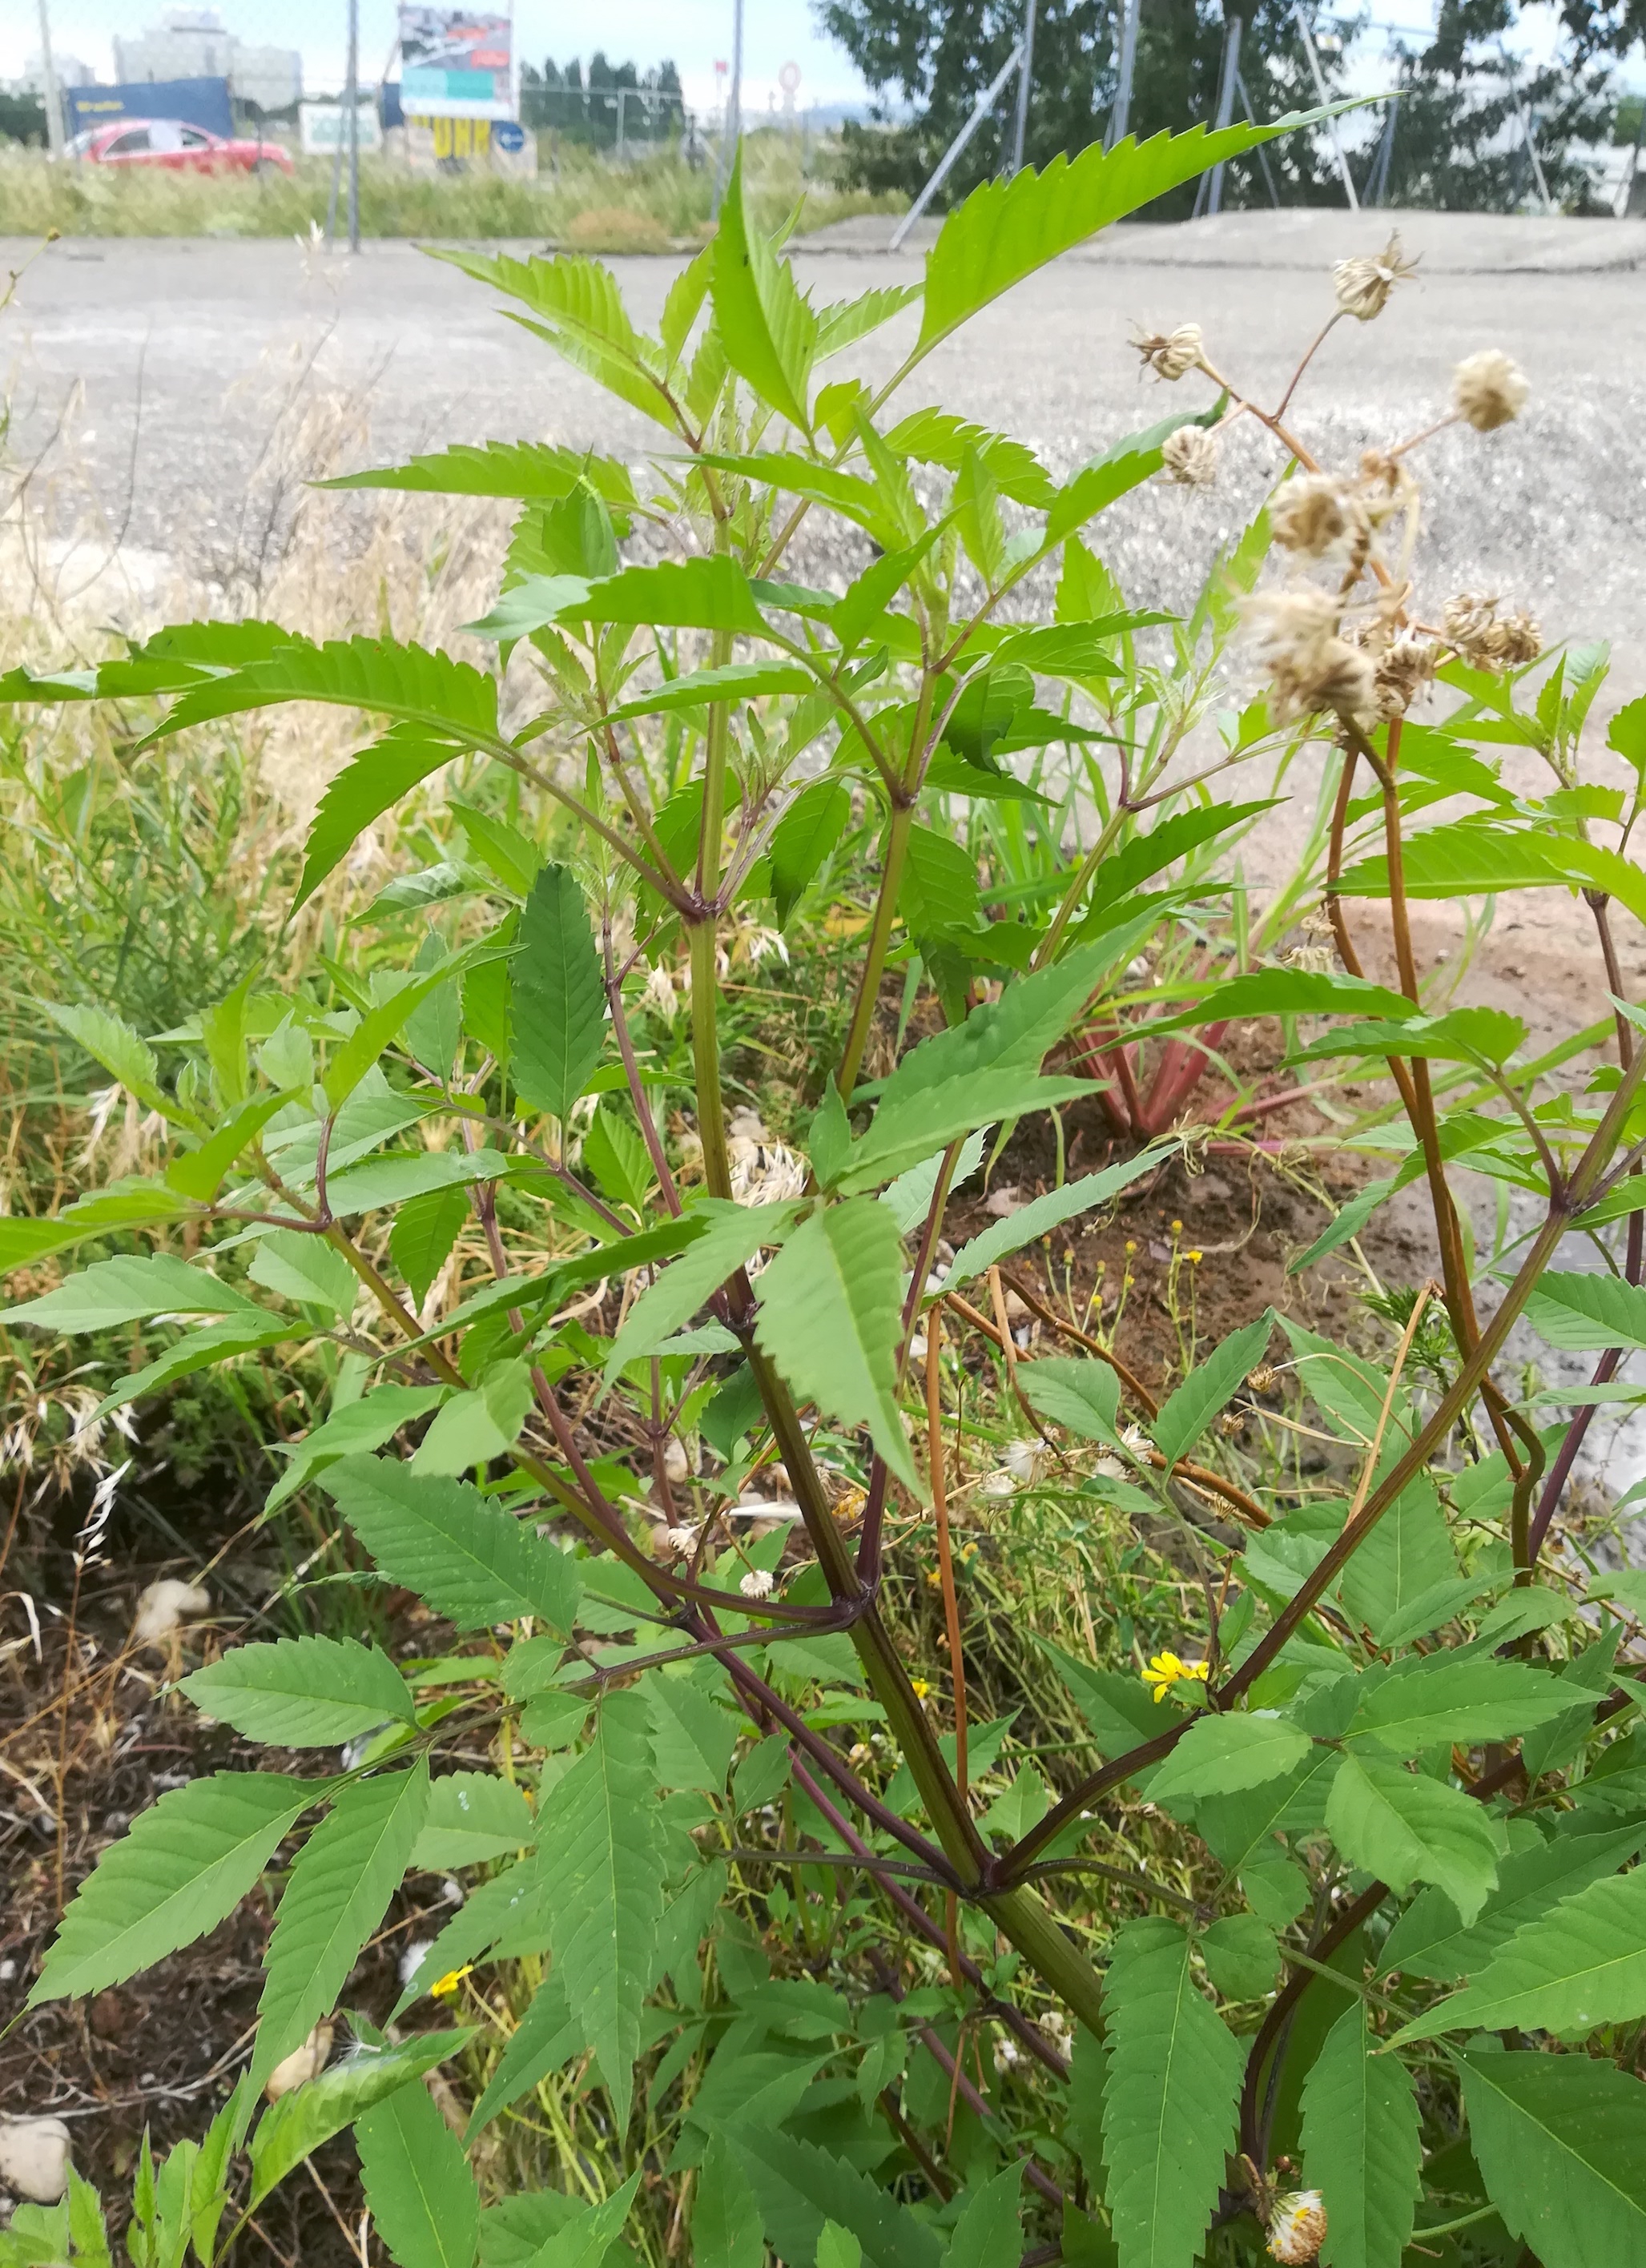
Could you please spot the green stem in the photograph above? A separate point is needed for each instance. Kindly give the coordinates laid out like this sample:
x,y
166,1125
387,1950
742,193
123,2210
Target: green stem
x,y
705,1056
879,946
714,779
1046,952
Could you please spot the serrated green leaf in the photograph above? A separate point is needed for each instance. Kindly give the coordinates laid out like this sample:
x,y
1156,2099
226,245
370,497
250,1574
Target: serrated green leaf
x,y
1473,860
425,1230
731,1234
1406,1560
1075,1391
726,2228
511,1907
472,1816
1407,1829
305,1268
1437,1701
803,838
1170,2093
523,469
129,1290
693,1735
734,681
584,2240
1187,1411
121,1052
293,2128
1428,1940
710,592
472,1428
111,1212
769,331
1218,1755
799,2187
1584,1313
1360,2146
939,890
1580,1964
335,1898
357,1427
601,1820
303,1692
558,1014
199,1350
545,2038
402,1175
1242,1958
471,1560
989,2231
830,1318
1561,2144
368,786
187,1862
421,2193
1006,229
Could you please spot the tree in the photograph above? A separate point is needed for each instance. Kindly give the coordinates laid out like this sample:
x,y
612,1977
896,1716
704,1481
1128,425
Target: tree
x,y
1460,134
938,58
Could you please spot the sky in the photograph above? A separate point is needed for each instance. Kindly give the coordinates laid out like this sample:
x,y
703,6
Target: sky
x,y
692,33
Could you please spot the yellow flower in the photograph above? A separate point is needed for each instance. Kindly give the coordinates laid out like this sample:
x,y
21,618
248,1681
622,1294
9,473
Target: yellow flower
x,y
920,1688
1165,1670
935,1576
1194,1258
445,1986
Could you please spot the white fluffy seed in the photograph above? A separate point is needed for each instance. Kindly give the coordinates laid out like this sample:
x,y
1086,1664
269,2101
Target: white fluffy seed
x,y
165,1607
34,2159
302,2065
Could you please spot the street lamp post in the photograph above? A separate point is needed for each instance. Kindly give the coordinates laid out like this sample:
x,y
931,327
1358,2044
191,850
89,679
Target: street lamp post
x,y
54,93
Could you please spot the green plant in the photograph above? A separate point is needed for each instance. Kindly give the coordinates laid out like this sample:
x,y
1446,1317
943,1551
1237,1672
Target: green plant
x,y
1398,1752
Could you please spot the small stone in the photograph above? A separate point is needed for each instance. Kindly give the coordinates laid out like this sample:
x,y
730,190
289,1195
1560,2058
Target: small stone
x,y
165,1607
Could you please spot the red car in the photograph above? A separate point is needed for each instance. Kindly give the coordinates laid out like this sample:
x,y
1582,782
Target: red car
x,y
180,148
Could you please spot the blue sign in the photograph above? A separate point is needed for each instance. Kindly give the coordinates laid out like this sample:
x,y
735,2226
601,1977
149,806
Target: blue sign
x,y
508,135
202,102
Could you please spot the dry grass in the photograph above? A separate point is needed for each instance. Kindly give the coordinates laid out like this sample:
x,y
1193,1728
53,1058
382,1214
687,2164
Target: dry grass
x,y
660,201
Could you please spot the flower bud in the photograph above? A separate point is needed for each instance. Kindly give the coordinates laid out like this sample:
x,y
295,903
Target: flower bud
x,y
1488,390
1189,456
1297,2227
1169,354
1362,284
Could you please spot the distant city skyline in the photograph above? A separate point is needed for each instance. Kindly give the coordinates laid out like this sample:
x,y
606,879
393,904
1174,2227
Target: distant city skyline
x,y
693,34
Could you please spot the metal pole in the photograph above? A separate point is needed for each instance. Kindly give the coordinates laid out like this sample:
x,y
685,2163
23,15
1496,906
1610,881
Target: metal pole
x,y
1526,128
1263,155
1320,89
54,93
1378,189
622,97
353,100
1225,108
980,110
732,127
1622,209
1120,114
1021,126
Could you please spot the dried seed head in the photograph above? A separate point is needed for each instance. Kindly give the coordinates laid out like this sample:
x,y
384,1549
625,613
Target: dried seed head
x,y
1297,2227
1362,284
1189,456
756,1584
1309,666
1488,390
1309,516
1403,669
1478,633
1168,354
682,1542
1261,1380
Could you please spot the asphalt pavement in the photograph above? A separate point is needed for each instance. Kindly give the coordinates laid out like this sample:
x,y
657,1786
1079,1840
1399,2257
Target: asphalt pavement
x,y
168,358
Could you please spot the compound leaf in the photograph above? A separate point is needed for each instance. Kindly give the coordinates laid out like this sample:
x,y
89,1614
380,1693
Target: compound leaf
x,y
471,1560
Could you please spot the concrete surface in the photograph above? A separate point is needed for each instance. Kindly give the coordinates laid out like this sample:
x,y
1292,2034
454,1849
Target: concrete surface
x,y
182,346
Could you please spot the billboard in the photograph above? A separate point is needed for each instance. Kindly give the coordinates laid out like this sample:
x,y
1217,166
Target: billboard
x,y
325,127
202,102
455,62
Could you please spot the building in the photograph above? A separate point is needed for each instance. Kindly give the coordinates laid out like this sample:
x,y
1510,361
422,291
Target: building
x,y
192,43
70,69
